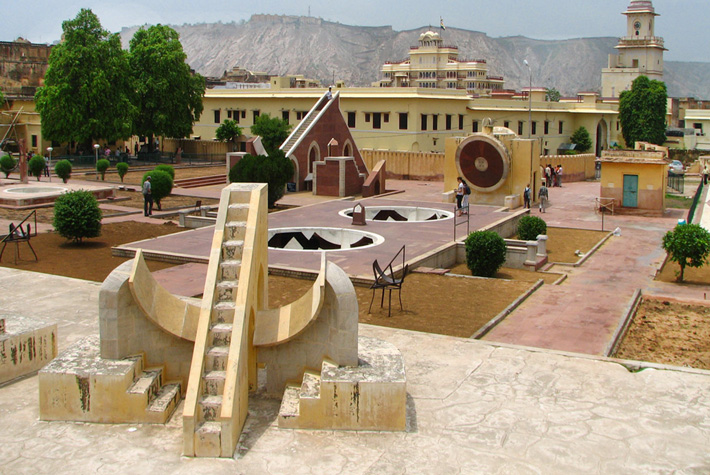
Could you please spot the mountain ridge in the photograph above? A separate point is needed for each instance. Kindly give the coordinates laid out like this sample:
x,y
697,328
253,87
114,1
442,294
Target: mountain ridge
x,y
325,50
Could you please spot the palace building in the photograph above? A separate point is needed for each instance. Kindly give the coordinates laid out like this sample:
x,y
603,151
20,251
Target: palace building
x,y
435,65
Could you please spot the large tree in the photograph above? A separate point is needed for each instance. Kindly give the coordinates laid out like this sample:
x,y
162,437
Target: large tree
x,y
272,130
87,93
642,112
169,95
581,139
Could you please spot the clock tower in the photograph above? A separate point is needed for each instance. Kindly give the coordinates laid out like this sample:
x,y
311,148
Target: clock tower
x,y
640,52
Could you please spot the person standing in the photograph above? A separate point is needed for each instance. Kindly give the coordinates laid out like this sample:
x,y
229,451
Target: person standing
x,y
464,201
526,196
559,175
543,197
548,174
459,195
46,165
147,197
706,170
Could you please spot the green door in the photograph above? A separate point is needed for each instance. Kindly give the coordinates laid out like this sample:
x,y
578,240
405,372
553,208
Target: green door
x,y
631,191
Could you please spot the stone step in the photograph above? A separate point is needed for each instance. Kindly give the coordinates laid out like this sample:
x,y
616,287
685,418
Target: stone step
x,y
227,290
208,439
310,386
167,399
221,334
223,312
290,403
238,212
211,406
138,361
214,382
216,358
232,249
235,230
230,269
148,383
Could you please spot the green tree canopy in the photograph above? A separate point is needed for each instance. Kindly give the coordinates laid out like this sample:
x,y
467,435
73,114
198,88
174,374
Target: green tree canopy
x,y
272,130
169,95
582,139
87,93
229,131
552,95
275,170
688,245
642,112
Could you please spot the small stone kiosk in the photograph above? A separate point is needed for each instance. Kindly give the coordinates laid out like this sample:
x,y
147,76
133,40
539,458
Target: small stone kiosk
x,y
635,181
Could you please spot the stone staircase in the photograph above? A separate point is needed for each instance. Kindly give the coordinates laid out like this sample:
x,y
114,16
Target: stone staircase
x,y
79,385
201,181
205,416
344,397
303,126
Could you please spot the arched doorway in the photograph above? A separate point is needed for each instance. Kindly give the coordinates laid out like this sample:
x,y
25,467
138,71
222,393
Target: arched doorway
x,y
313,156
347,149
295,178
601,138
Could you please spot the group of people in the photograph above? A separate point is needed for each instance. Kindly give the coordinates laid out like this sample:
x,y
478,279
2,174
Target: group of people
x,y
553,175
543,196
462,192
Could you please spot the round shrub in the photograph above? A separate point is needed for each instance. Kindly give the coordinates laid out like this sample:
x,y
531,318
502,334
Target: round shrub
x,y
275,170
101,167
485,253
36,166
160,184
167,169
7,164
122,169
77,215
530,227
63,169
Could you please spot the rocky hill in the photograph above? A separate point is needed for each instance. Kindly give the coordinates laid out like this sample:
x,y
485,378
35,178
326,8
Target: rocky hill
x,y
325,50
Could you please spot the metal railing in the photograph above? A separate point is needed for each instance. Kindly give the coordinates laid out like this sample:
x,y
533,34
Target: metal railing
x,y
694,205
676,183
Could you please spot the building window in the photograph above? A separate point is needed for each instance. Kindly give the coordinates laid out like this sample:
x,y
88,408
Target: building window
x,y
351,120
34,140
506,124
460,121
533,131
547,127
434,122
448,121
424,124
301,114
520,127
474,126
561,127
367,117
386,117
229,114
244,114
376,120
217,117
256,114
235,116
284,115
403,121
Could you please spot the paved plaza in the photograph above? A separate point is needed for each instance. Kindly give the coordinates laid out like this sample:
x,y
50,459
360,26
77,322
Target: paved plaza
x,y
494,406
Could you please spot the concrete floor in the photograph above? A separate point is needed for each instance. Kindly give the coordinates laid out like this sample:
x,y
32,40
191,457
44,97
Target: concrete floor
x,y
474,407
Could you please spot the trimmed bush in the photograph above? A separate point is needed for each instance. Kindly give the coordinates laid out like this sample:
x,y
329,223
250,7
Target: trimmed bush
x,y
275,170
77,215
485,253
63,169
7,164
36,166
160,184
167,169
530,227
101,167
122,169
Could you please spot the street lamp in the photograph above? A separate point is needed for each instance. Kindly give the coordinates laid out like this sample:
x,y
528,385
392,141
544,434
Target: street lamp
x,y
49,164
529,99
96,163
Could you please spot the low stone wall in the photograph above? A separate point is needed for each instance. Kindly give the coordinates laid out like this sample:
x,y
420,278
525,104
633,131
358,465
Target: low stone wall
x,y
26,345
574,167
407,165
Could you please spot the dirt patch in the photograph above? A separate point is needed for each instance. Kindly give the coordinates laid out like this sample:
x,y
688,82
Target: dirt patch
x,y
90,260
468,303
692,275
520,275
134,177
134,199
562,243
669,333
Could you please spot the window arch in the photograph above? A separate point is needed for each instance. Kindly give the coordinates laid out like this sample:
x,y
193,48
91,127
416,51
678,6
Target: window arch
x,y
313,155
348,149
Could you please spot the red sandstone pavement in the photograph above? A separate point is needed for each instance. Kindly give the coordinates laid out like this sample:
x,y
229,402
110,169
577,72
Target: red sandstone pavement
x,y
582,314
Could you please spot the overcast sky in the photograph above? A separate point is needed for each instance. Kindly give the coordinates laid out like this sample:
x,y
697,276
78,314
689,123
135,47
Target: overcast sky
x,y
683,23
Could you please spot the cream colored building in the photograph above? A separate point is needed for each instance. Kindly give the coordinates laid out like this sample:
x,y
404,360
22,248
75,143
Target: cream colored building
x,y
640,52
420,119
435,65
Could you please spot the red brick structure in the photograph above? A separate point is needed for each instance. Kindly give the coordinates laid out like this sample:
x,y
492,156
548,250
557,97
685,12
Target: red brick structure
x,y
309,143
375,184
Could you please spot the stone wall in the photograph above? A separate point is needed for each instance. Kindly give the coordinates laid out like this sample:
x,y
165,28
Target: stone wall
x,y
407,165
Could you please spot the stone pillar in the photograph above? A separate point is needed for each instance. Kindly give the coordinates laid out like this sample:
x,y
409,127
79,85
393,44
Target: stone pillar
x,y
542,245
530,258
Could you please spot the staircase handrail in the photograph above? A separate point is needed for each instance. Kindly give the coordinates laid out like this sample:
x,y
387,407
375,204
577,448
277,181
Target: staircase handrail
x,y
301,129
